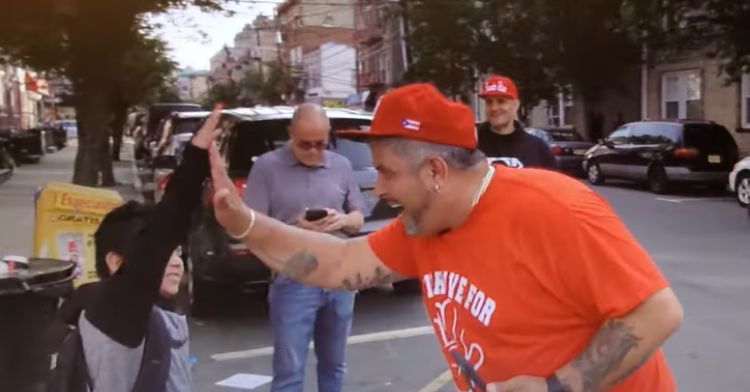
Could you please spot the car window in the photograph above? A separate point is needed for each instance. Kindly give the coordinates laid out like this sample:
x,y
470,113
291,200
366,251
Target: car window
x,y
655,133
564,135
248,140
709,136
358,153
619,136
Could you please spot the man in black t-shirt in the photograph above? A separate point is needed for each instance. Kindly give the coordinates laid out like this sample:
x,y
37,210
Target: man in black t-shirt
x,y
502,137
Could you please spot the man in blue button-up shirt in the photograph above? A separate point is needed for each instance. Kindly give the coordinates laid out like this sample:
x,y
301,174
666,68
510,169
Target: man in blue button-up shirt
x,y
283,184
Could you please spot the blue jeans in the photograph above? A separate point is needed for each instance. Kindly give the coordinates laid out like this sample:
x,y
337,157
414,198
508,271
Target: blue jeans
x,y
300,313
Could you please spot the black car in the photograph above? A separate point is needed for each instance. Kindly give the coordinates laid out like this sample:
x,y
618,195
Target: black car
x,y
214,258
662,153
566,145
7,163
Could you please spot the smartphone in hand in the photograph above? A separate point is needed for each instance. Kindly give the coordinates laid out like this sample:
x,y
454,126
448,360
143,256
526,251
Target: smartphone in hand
x,y
315,214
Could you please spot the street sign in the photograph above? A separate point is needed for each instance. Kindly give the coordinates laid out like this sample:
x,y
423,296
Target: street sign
x,y
66,217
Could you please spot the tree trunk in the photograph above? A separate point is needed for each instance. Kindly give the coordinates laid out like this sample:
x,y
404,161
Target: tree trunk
x,y
92,111
118,126
105,160
94,62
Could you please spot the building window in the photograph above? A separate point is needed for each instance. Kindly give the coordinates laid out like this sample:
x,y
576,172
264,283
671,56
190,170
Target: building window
x,y
560,111
682,95
746,100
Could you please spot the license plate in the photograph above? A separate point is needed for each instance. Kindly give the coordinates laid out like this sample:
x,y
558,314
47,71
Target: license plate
x,y
579,152
714,159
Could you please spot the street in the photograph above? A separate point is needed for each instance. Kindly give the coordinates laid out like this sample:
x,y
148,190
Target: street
x,y
699,240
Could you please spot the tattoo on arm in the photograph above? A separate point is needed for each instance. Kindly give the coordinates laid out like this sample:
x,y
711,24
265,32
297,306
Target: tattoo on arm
x,y
300,265
605,353
359,281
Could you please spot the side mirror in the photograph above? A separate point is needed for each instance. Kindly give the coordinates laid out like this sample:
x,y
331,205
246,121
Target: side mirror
x,y
165,162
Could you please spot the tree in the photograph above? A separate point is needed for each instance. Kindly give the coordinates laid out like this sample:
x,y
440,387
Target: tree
x,y
84,40
226,93
547,46
718,28
444,43
145,77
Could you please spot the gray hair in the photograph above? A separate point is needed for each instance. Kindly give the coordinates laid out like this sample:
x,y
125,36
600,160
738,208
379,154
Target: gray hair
x,y
416,151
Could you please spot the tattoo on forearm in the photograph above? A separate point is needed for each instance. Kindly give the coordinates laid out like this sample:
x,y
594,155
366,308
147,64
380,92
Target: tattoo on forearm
x,y
300,265
379,277
605,353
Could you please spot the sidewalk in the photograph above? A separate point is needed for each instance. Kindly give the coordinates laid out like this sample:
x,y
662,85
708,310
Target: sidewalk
x,y
17,194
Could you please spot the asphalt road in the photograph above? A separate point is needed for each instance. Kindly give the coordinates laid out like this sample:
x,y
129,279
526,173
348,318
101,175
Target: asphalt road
x,y
702,243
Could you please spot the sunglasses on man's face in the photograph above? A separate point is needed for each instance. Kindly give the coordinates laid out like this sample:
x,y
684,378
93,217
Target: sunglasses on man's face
x,y
308,145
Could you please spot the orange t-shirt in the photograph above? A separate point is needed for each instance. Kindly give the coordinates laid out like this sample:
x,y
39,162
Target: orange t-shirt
x,y
524,283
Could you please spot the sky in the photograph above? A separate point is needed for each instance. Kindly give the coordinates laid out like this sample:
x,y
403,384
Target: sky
x,y
194,36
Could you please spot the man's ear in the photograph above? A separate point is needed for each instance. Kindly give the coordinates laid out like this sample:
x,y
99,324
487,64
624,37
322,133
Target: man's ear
x,y
436,172
114,261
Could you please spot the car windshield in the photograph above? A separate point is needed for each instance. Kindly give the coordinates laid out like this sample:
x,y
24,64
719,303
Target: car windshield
x,y
251,139
187,125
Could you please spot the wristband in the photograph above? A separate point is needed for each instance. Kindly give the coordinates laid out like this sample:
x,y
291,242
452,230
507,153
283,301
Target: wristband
x,y
249,227
554,385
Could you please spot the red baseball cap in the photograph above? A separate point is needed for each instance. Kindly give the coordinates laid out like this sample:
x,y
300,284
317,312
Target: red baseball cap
x,y
419,111
498,86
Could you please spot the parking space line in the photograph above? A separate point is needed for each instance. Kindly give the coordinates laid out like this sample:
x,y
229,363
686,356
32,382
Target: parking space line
x,y
357,339
685,199
438,383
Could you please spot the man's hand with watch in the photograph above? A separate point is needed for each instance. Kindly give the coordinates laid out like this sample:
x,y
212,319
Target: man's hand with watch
x,y
529,384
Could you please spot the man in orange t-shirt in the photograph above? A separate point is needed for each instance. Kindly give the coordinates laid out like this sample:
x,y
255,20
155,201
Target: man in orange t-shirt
x,y
531,281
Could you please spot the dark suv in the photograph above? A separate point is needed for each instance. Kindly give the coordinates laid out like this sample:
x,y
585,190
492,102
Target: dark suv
x,y
664,152
214,258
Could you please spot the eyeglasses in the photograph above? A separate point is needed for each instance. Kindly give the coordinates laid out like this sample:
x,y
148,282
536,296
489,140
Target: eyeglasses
x,y
308,145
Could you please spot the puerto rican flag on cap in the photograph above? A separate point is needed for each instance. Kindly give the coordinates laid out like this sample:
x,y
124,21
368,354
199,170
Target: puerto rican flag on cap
x,y
410,124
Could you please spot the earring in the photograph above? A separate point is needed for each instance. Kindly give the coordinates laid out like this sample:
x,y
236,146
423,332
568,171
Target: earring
x,y
437,188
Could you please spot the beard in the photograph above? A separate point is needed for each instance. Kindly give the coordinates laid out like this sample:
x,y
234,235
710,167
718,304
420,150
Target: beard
x,y
413,220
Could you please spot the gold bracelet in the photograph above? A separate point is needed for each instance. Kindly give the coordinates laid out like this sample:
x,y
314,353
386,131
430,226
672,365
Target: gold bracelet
x,y
249,227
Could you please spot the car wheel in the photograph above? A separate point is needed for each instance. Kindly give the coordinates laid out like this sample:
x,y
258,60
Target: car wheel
x,y
594,173
410,286
657,180
743,189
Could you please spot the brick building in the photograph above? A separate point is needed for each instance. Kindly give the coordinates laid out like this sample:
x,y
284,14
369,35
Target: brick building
x,y
381,50
307,25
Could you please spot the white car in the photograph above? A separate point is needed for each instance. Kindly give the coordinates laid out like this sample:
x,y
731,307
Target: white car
x,y
739,181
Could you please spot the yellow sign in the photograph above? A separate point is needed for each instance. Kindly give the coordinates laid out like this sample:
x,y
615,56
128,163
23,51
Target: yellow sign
x,y
67,216
334,103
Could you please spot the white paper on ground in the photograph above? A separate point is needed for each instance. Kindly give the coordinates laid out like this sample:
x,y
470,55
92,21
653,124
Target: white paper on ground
x,y
245,381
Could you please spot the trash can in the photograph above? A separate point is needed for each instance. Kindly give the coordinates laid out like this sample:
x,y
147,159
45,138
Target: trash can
x,y
29,299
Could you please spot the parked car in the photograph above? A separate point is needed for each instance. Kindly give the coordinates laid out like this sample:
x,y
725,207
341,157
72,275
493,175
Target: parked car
x,y
156,113
7,164
663,153
213,257
25,145
69,126
739,181
175,132
566,145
